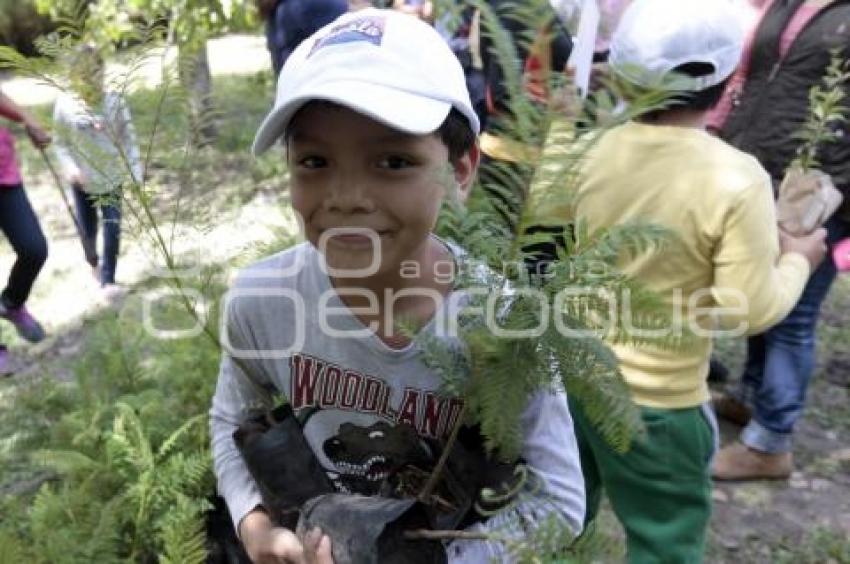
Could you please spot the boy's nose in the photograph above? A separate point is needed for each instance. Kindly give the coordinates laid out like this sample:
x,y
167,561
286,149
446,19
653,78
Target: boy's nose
x,y
349,195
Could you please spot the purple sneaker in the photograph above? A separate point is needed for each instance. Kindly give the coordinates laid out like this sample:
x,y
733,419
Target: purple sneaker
x,y
27,326
5,362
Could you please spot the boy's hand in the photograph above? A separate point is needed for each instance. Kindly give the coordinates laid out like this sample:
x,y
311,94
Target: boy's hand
x,y
39,137
267,544
811,246
77,178
317,547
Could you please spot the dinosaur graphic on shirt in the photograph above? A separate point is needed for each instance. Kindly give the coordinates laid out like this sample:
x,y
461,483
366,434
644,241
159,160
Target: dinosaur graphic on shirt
x,y
364,457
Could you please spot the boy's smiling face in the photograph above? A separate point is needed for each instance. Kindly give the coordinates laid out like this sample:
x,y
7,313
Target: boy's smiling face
x,y
351,175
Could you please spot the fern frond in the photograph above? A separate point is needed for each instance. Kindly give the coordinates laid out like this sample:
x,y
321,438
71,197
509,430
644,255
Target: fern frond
x,y
182,534
128,432
67,461
62,520
171,442
13,549
547,541
590,374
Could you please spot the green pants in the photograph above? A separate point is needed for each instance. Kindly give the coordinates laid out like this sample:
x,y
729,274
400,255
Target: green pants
x,y
660,489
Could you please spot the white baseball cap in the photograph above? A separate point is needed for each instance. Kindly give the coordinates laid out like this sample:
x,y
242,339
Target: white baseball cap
x,y
384,64
654,37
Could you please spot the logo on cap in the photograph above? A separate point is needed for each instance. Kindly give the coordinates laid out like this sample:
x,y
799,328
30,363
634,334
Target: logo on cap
x,y
368,29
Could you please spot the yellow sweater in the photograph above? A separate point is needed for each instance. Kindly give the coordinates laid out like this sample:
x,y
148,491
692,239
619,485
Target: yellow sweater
x,y
719,202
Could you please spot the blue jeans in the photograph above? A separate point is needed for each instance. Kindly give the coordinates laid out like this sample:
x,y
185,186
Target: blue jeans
x,y
110,209
780,362
20,225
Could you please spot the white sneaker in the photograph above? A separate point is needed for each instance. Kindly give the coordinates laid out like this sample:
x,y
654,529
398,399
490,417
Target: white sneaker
x,y
112,293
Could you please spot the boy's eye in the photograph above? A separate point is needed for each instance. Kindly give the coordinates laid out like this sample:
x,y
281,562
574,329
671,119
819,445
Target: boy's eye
x,y
312,161
395,162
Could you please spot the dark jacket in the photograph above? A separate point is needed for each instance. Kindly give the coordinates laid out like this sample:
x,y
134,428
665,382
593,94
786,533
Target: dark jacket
x,y
774,104
293,21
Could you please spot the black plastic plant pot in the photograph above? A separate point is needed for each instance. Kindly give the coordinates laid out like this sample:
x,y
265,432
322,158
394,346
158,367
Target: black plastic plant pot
x,y
370,530
281,462
449,504
469,471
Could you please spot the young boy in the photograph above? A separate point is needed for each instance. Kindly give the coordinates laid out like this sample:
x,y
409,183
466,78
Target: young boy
x,y
95,145
378,128
665,169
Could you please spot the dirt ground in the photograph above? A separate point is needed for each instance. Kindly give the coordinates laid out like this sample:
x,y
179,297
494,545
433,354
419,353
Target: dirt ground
x,y
806,518
66,292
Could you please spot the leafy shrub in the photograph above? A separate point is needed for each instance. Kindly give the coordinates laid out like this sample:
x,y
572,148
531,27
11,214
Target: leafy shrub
x,y
129,444
21,24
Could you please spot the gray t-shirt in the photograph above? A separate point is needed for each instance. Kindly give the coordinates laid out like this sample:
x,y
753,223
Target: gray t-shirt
x,y
288,326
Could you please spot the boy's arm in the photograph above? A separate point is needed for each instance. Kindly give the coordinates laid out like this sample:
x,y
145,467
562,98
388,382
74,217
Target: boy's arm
x,y
237,395
235,483
62,125
754,282
556,488
129,140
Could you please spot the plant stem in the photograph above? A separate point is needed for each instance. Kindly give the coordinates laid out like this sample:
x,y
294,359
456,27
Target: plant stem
x,y
431,484
145,217
426,534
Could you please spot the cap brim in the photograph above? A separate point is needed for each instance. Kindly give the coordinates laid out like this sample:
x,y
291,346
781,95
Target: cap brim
x,y
410,113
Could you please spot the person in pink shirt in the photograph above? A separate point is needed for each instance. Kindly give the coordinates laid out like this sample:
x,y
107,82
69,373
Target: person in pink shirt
x,y
21,228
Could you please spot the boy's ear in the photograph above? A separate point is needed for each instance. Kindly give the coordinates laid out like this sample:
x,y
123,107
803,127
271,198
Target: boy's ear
x,y
465,169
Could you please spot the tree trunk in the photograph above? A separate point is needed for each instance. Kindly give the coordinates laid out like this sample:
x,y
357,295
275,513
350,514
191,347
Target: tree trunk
x,y
196,80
